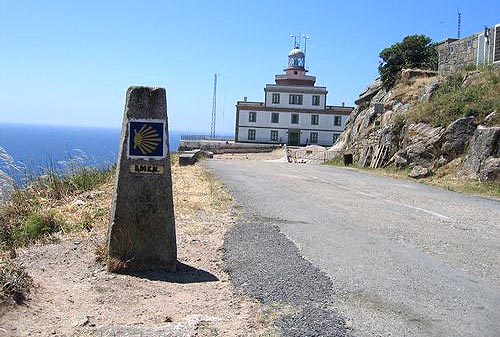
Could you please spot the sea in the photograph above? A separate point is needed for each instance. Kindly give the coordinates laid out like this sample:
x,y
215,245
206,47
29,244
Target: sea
x,y
40,146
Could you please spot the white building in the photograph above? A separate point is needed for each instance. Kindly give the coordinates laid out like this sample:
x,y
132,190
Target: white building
x,y
294,111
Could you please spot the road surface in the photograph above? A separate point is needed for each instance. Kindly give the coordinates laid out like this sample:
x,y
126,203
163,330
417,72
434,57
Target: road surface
x,y
405,259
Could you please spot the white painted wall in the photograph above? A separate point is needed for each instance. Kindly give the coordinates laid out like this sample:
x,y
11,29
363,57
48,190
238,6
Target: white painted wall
x,y
306,101
326,121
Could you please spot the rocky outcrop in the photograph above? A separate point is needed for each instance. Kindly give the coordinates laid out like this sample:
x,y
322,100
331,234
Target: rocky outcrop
x,y
457,137
483,155
377,134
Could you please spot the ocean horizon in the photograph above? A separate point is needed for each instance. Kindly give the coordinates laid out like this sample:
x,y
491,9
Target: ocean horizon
x,y
40,146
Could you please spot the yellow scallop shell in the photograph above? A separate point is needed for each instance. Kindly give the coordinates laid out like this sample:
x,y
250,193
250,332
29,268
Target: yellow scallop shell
x,y
146,139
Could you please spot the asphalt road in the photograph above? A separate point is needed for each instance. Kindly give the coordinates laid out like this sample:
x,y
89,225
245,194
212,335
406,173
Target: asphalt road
x,y
405,259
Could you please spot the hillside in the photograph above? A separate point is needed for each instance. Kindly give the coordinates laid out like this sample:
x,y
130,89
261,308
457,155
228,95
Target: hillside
x,y
428,124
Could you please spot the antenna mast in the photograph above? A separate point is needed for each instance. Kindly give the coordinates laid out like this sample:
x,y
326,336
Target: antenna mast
x,y
459,24
214,108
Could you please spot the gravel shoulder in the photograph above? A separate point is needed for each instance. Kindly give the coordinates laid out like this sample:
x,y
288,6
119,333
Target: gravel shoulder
x,y
265,265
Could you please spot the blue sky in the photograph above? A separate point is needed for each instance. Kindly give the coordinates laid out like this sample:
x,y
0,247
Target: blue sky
x,y
70,63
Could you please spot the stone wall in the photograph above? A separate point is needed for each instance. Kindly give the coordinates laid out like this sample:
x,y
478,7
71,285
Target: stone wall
x,y
456,54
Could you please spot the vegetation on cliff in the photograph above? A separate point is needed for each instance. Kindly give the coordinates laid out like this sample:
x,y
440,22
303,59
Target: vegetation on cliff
x,y
415,51
461,94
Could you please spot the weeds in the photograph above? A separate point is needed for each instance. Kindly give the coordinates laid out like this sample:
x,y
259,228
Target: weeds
x,y
461,95
14,282
28,212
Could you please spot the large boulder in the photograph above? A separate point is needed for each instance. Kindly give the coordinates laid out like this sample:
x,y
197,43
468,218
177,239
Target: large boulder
x,y
490,170
422,144
484,150
369,92
483,145
456,137
419,172
429,91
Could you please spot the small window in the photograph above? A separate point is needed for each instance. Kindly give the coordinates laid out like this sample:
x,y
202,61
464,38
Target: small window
x,y
274,135
295,119
314,119
315,100
335,137
295,99
314,137
469,44
276,98
251,134
275,117
452,49
337,121
252,116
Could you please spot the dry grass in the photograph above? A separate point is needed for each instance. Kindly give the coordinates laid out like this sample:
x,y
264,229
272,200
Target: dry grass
x,y
461,95
411,91
449,177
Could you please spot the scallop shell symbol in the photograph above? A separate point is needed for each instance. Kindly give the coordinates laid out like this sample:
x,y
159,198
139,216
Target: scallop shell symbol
x,y
146,139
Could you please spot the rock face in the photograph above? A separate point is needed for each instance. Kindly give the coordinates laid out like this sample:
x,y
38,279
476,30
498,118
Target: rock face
x,y
419,172
141,233
377,134
457,137
484,152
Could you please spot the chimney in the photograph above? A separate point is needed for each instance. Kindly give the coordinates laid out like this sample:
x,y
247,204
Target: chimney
x,y
245,99
343,103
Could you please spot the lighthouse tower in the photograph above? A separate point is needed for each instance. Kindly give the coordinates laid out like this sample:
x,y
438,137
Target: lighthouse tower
x,y
295,72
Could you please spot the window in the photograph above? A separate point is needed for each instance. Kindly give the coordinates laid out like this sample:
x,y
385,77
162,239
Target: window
x,y
252,116
469,44
295,119
275,117
314,119
295,99
337,121
452,49
274,135
315,100
496,45
251,134
276,98
314,137
335,137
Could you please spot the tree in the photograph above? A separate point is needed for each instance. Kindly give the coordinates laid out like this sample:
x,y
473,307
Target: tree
x,y
415,51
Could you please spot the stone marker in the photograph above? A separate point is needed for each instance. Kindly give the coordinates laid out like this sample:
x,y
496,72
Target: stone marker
x,y
141,232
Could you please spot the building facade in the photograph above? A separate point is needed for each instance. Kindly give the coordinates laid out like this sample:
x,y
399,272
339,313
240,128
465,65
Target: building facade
x,y
294,110
482,48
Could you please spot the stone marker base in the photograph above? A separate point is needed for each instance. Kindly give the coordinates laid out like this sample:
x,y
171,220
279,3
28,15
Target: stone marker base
x,y
141,233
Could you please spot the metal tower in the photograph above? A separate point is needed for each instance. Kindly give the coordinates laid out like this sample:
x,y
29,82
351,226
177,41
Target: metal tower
x,y
214,108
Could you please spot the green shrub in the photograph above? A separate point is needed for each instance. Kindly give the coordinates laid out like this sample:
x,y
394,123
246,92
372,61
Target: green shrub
x,y
415,51
36,226
453,100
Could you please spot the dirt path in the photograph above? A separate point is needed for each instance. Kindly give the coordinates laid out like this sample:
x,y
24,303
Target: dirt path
x,y
75,296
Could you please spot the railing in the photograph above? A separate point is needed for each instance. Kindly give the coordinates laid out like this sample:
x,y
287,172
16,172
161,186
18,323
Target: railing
x,y
205,137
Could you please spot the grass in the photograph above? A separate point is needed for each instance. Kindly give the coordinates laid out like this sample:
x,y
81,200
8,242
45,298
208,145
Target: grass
x,y
447,177
14,283
461,95
35,212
